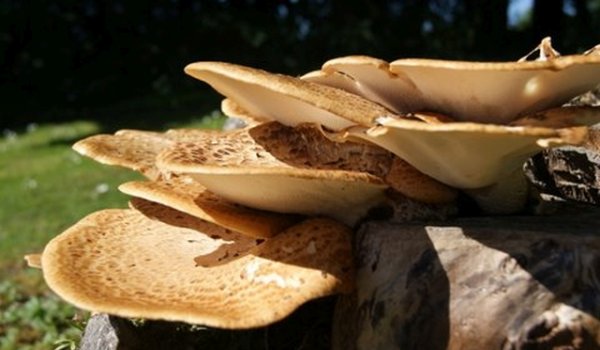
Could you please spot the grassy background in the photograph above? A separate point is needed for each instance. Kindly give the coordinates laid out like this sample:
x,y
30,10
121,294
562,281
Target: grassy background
x,y
44,188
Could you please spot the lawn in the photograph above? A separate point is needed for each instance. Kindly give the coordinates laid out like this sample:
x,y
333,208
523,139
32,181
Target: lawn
x,y
44,188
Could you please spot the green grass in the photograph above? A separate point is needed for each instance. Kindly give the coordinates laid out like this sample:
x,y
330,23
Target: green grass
x,y
44,188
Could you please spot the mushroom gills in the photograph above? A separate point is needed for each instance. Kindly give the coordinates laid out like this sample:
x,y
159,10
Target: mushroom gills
x,y
188,196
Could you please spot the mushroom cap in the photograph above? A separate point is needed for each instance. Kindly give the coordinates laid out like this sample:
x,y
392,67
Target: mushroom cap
x,y
278,168
487,92
131,149
289,100
497,92
109,262
370,78
465,155
341,81
332,151
188,196
135,149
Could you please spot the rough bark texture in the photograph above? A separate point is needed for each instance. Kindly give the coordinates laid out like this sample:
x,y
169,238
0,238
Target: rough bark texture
x,y
100,333
488,283
571,173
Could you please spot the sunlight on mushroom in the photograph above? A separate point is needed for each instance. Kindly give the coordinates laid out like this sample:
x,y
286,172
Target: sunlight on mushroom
x,y
109,262
289,100
240,165
488,92
466,155
498,92
133,149
218,234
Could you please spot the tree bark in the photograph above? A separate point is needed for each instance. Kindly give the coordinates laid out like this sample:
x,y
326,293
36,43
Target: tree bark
x,y
485,283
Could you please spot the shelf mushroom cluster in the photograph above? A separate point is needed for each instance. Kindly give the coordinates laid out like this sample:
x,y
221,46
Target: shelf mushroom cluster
x,y
236,229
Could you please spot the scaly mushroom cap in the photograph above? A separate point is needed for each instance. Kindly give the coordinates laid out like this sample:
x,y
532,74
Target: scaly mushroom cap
x,y
289,100
486,92
131,149
110,262
135,149
470,155
190,197
274,167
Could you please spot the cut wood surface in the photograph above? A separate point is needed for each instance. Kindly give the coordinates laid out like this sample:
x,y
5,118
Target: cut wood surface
x,y
485,283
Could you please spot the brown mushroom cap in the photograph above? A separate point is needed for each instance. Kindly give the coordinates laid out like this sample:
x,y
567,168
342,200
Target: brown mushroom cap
x,y
131,149
498,92
286,99
465,155
190,197
123,263
135,149
276,168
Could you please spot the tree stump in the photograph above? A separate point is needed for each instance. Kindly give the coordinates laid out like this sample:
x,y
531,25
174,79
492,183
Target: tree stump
x,y
481,283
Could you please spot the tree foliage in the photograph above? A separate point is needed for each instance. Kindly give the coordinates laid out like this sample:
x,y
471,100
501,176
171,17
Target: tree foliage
x,y
64,58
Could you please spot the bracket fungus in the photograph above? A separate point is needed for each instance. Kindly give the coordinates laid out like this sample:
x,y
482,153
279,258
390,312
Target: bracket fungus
x,y
125,263
487,92
215,235
289,100
370,78
305,172
466,154
137,150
